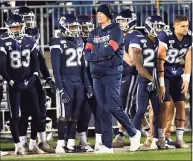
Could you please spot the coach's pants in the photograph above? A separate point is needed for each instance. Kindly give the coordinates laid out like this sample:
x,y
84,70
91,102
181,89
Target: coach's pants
x,y
107,92
128,94
143,97
15,111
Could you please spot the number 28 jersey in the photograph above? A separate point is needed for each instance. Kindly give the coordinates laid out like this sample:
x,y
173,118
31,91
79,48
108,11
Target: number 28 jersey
x,y
70,54
176,50
149,51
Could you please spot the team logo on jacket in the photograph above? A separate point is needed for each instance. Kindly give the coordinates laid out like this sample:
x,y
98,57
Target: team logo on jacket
x,y
101,39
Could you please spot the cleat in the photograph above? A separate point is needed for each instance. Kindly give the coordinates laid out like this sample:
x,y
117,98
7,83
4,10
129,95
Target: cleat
x,y
70,149
26,147
153,145
161,144
3,153
59,149
87,148
46,147
181,144
135,141
36,150
19,151
97,146
103,149
118,142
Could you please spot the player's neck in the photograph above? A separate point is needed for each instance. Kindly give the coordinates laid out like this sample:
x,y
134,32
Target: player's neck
x,y
152,38
179,36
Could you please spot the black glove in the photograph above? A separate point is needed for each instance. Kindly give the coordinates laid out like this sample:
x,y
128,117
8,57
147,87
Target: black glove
x,y
151,87
64,96
90,92
30,82
50,82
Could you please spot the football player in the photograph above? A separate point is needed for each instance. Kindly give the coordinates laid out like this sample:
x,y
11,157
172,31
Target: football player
x,y
20,69
32,30
70,75
144,55
174,45
89,104
128,21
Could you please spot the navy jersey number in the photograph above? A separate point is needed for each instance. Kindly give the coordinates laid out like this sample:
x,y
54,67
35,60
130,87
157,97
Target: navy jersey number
x,y
74,53
16,58
149,58
175,55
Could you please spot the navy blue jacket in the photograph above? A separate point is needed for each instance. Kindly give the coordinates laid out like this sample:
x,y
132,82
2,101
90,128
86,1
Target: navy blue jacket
x,y
104,51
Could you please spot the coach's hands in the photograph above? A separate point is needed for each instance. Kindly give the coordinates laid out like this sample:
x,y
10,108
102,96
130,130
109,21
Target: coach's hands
x,y
65,98
90,92
184,87
50,82
161,92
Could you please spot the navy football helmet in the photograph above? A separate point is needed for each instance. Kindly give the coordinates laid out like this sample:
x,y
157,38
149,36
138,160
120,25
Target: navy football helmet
x,y
153,25
27,15
69,26
86,25
15,26
126,19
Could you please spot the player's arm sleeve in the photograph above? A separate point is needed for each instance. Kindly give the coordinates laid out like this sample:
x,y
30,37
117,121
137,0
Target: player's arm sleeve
x,y
43,67
116,39
188,62
3,66
56,51
88,51
34,59
138,59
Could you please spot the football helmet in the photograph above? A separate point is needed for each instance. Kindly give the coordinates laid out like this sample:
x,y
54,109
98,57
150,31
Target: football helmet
x,y
27,15
153,25
69,26
15,26
86,25
126,19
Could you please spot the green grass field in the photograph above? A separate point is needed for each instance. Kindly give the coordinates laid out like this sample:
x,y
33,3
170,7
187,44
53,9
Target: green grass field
x,y
170,154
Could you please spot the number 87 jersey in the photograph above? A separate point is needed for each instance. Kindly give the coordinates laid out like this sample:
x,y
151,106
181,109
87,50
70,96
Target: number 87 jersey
x,y
176,50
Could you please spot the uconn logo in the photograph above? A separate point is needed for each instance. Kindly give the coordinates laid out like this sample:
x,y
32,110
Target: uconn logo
x,y
101,39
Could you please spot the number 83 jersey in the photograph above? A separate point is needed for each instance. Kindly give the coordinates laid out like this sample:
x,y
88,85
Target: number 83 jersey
x,y
68,55
176,50
149,51
21,56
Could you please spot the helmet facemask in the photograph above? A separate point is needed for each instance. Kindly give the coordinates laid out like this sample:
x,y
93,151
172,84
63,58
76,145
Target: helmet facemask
x,y
126,23
29,20
86,29
16,31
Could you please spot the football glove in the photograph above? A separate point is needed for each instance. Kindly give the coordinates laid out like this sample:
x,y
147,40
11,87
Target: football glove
x,y
64,97
151,87
90,92
50,82
30,82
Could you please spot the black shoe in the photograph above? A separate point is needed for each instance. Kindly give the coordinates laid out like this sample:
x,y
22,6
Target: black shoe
x,y
46,147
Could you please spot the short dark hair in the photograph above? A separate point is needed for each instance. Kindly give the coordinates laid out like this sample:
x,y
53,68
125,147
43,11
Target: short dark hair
x,y
180,18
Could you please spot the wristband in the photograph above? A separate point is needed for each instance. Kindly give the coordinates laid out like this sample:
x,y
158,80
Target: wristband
x,y
186,77
161,82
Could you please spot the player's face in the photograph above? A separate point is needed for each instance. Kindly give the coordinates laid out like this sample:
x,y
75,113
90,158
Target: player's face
x,y
122,23
15,29
182,27
101,18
